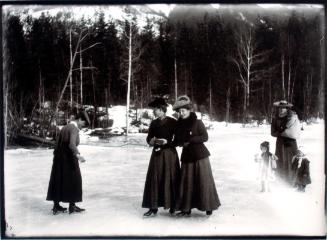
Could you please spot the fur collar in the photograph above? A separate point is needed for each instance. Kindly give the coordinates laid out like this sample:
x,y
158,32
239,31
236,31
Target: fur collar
x,y
188,121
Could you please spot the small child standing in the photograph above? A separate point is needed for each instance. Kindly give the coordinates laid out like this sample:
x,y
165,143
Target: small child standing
x,y
301,171
267,166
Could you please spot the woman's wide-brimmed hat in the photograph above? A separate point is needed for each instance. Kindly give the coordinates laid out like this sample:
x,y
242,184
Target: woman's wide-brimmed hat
x,y
283,104
158,102
182,101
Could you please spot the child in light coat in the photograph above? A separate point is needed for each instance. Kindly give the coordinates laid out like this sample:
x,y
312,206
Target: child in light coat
x,y
267,166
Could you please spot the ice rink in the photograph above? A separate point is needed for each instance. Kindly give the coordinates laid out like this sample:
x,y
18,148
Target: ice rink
x,y
113,181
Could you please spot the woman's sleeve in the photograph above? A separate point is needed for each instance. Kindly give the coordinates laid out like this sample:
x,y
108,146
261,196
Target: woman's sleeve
x,y
202,135
73,141
150,133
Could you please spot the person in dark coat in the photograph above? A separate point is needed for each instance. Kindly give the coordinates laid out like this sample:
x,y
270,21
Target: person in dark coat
x,y
197,187
301,171
65,183
286,127
162,179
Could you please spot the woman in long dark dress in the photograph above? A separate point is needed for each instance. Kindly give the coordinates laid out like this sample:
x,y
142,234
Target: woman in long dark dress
x,y
65,183
162,180
197,187
285,126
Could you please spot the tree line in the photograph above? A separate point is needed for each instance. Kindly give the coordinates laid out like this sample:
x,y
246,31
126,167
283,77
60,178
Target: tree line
x,y
232,68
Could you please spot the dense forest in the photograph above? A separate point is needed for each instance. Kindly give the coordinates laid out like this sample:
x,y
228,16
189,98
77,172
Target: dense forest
x,y
233,62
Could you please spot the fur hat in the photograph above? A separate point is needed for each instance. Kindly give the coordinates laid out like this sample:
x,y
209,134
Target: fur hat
x,y
158,102
283,104
182,101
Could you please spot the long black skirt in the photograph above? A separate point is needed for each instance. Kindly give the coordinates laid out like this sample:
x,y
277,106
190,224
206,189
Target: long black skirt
x,y
65,183
285,150
197,188
162,180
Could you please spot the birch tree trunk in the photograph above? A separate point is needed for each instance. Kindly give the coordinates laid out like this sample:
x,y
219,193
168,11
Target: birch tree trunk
x,y
283,75
71,68
185,80
227,106
289,80
244,104
176,82
40,87
5,115
129,78
106,99
94,98
270,102
248,95
210,98
81,75
292,88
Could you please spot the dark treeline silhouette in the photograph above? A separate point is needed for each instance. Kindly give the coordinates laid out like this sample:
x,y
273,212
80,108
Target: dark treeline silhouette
x,y
233,64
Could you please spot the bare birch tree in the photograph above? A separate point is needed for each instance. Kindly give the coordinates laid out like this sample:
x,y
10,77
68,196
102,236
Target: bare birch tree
x,y
82,36
249,61
133,56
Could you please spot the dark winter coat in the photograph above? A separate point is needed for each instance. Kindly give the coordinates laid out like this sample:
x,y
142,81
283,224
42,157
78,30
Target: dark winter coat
x,y
163,175
164,128
192,131
301,174
65,181
286,148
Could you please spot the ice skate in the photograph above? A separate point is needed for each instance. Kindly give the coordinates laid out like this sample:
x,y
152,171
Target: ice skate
x,y
58,209
184,213
209,213
151,212
75,209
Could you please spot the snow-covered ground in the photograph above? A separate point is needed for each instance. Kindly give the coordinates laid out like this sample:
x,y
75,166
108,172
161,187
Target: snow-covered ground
x,y
113,182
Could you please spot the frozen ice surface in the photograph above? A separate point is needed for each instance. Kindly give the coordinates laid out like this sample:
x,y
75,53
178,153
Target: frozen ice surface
x,y
113,181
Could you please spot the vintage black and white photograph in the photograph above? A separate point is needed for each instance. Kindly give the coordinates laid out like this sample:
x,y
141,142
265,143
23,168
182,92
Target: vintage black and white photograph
x,y
164,120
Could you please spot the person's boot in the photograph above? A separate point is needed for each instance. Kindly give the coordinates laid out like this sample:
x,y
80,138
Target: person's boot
x,y
209,212
74,209
58,209
184,213
150,212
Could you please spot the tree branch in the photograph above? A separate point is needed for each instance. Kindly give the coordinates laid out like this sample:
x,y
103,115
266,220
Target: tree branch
x,y
93,45
239,69
85,68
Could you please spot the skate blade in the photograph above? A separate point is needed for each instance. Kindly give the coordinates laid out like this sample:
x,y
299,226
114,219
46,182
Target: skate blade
x,y
57,212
